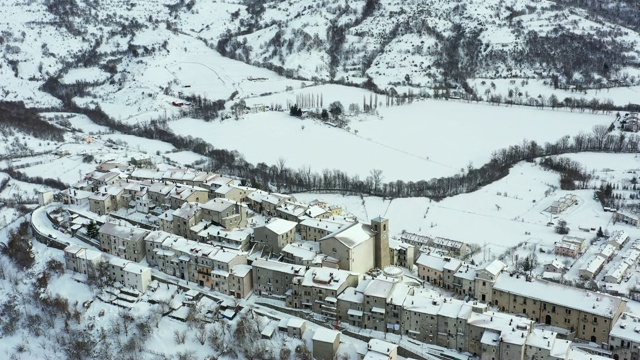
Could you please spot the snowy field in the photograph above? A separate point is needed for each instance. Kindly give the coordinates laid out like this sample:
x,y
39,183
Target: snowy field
x,y
499,216
414,142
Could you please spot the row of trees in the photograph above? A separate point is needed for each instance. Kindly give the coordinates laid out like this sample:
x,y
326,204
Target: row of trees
x,y
304,179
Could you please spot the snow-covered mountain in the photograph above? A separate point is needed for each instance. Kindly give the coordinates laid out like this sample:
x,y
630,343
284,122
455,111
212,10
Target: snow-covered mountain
x,y
430,42
133,47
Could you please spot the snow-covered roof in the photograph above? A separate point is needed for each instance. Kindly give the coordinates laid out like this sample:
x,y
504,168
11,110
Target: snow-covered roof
x,y
330,225
593,265
494,267
135,268
281,226
325,278
325,335
295,322
351,294
315,211
241,270
501,327
123,232
627,327
573,240
583,300
299,251
158,236
381,347
186,211
352,235
618,237
147,174
556,264
217,205
379,288
439,263
608,251
279,266
466,271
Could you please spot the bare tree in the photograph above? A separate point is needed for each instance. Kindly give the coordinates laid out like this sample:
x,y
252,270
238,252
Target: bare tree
x,y
376,176
599,134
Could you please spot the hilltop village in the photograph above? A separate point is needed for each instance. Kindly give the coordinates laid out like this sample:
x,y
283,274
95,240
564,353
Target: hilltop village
x,y
217,238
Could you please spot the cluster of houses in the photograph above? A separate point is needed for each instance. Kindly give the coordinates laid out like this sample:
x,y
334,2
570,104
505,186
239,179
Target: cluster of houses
x,y
563,204
630,122
314,258
596,262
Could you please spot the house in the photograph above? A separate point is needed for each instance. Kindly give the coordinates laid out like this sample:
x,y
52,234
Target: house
x,y
618,239
485,278
375,303
350,305
626,217
76,197
318,212
296,327
587,314
185,218
325,343
216,182
566,249
274,278
318,289
146,174
464,280
498,335
80,259
129,274
581,243
415,239
607,251
254,200
109,178
563,204
122,241
158,192
276,234
226,213
315,229
305,254
592,267
182,194
106,199
438,270
378,349
555,266
292,211
218,236
617,272
240,281
270,202
624,337
402,254
233,192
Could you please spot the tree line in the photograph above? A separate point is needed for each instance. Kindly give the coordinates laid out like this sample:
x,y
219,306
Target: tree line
x,y
286,179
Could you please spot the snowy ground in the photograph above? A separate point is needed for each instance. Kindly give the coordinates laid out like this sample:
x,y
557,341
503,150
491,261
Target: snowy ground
x,y
475,217
414,142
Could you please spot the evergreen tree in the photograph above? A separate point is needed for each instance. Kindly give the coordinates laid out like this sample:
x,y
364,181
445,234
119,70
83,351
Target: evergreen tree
x,y
600,234
92,230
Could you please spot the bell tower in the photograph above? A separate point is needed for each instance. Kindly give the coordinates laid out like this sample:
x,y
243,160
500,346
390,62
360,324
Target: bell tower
x,y
382,256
